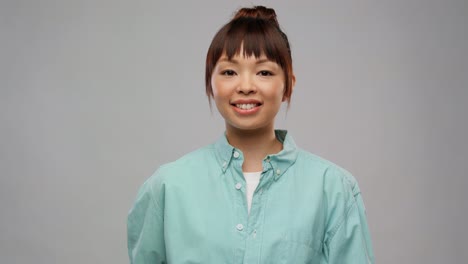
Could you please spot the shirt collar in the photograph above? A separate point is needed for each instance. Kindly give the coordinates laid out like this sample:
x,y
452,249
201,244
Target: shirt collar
x,y
279,162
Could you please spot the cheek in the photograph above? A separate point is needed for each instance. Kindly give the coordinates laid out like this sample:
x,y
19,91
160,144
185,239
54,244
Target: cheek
x,y
220,89
278,95
217,94
215,86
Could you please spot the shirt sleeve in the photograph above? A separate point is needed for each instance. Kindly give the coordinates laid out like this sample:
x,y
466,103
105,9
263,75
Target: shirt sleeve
x,y
145,229
349,238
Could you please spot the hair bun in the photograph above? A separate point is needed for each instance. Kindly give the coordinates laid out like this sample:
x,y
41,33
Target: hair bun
x,y
257,12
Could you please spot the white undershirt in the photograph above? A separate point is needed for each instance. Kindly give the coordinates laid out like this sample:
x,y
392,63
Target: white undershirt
x,y
252,179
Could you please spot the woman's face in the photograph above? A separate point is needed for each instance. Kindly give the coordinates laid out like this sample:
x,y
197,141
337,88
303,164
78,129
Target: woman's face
x,y
248,91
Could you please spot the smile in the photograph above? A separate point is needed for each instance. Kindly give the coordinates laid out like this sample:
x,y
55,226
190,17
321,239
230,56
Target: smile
x,y
246,106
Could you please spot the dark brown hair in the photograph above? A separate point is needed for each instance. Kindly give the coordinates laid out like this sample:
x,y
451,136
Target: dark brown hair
x,y
257,31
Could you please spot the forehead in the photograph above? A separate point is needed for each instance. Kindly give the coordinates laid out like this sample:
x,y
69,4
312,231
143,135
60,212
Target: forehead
x,y
239,57
242,55
247,48
242,51
246,61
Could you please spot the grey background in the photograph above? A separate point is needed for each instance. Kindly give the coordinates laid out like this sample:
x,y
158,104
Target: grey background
x,y
95,95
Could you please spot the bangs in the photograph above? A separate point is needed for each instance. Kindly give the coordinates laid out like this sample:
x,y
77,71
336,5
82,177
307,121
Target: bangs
x,y
254,37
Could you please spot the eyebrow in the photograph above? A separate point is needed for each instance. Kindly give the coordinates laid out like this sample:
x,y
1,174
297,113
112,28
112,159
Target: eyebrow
x,y
225,59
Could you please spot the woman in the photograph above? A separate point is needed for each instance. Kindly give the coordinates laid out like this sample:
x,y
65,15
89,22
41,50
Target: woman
x,y
252,196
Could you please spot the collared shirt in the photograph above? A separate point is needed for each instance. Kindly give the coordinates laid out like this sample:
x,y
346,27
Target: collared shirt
x,y
194,210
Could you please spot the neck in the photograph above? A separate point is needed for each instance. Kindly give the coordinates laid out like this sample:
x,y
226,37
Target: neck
x,y
254,144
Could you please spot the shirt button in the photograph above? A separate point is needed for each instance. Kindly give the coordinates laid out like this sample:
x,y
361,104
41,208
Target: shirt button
x,y
236,154
238,186
267,159
240,227
224,164
278,171
260,191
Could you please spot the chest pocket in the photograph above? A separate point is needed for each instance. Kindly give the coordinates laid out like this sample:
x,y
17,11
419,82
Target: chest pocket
x,y
300,249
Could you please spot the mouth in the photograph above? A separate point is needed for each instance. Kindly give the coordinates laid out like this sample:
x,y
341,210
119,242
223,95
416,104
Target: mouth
x,y
247,106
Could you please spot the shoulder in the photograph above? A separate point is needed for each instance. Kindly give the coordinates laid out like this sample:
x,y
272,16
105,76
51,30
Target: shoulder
x,y
182,169
333,176
191,160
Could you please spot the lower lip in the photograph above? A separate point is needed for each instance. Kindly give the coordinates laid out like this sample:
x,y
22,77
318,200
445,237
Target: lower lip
x,y
246,111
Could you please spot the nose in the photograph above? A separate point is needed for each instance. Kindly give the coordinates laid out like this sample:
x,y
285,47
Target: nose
x,y
246,85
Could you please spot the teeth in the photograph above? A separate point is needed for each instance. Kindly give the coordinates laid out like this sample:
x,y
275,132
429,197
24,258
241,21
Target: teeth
x,y
246,106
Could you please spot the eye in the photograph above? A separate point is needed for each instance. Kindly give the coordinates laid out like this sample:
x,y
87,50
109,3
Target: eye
x,y
265,73
228,73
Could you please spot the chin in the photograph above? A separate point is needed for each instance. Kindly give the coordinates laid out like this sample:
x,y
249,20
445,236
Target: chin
x,y
247,127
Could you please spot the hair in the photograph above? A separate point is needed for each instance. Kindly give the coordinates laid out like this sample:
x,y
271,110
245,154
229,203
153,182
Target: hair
x,y
257,31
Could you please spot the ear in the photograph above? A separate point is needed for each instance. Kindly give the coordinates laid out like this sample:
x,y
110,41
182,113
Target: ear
x,y
293,84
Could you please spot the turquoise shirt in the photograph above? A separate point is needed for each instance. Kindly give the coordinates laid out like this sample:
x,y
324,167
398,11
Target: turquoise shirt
x,y
194,210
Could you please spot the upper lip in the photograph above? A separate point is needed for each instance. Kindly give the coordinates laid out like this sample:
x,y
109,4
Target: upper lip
x,y
246,101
